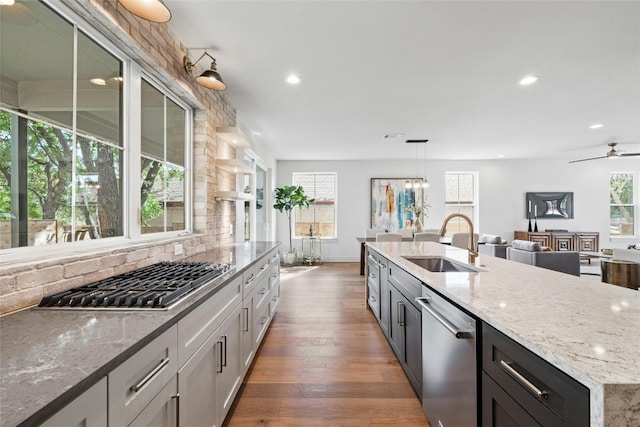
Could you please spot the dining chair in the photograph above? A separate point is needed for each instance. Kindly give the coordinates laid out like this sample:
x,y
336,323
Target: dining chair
x,y
372,232
406,233
426,237
388,237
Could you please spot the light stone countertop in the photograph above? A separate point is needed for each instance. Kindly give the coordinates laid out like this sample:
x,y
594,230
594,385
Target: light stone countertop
x,y
48,357
589,330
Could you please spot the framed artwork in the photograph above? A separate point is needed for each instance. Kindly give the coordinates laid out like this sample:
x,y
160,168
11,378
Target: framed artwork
x,y
389,197
556,205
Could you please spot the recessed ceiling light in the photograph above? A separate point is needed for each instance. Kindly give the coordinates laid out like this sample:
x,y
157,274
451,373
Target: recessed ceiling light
x,y
254,133
596,126
7,2
501,156
292,79
98,81
529,80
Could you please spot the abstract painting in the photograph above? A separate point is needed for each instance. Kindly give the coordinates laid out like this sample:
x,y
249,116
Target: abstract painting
x,y
389,198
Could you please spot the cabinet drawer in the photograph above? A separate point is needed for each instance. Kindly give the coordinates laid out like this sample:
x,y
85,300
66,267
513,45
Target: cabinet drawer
x,y
261,267
374,299
261,321
134,383
408,285
248,280
559,400
195,328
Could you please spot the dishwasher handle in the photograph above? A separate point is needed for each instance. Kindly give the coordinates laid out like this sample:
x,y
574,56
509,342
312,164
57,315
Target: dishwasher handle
x,y
458,333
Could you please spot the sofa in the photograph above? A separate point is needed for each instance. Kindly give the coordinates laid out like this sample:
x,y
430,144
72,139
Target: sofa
x,y
490,244
532,253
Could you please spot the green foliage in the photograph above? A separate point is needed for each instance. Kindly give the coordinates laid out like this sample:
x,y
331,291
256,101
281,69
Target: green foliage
x,y
288,198
152,208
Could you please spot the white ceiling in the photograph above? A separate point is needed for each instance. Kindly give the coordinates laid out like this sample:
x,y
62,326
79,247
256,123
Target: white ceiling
x,y
447,71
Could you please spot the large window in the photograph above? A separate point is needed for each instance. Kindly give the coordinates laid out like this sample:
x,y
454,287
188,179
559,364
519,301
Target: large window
x,y
65,151
623,193
461,197
320,218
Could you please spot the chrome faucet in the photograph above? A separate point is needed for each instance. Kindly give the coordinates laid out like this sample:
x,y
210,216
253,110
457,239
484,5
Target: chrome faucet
x,y
471,247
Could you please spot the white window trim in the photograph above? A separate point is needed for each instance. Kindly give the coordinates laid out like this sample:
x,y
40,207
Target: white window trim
x,y
476,196
635,204
335,215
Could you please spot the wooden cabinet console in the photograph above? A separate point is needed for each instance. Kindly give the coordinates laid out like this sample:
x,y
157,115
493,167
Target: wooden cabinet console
x,y
580,241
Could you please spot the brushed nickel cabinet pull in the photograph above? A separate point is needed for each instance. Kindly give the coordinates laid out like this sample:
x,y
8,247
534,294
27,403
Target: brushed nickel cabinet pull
x,y
177,399
249,280
224,341
246,318
400,309
150,375
523,381
220,370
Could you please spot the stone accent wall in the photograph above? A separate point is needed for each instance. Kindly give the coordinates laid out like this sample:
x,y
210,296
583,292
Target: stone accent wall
x,y
23,283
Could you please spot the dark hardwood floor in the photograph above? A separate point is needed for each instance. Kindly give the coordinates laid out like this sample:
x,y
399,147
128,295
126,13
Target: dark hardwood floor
x,y
324,360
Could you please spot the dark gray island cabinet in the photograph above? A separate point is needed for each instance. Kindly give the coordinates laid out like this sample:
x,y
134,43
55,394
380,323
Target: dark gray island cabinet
x,y
190,373
515,386
521,389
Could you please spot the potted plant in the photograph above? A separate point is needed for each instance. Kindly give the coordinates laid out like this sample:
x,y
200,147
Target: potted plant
x,y
288,198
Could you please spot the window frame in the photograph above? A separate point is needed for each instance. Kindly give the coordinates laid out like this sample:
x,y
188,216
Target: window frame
x,y
335,205
635,204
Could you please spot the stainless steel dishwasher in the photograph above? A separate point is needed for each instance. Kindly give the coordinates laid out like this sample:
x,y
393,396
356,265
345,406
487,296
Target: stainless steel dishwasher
x,y
449,375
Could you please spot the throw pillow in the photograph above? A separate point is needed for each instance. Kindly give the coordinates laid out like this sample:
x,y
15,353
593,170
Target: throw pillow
x,y
490,238
525,245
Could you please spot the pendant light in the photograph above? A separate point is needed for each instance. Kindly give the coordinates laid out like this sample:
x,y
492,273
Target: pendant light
x,y
210,78
151,10
419,182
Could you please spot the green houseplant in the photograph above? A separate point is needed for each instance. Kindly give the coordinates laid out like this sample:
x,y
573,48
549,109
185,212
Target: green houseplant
x,y
287,198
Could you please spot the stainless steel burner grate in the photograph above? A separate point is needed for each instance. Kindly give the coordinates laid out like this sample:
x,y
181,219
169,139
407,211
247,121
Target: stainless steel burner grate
x,y
155,286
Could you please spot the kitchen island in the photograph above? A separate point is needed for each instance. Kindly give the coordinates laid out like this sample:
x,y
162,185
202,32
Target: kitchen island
x,y
588,330
49,357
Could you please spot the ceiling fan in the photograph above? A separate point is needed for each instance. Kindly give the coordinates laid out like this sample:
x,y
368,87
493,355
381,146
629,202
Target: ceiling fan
x,y
611,154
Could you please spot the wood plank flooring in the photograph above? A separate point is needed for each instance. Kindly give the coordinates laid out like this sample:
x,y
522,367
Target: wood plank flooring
x,y
324,360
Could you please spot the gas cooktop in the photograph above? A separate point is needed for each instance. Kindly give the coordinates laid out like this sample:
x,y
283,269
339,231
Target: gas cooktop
x,y
157,286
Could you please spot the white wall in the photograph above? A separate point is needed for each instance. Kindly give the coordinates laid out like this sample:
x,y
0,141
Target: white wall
x,y
503,184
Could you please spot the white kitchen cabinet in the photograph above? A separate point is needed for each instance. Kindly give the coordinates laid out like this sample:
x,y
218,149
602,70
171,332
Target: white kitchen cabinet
x,y
261,312
195,328
161,411
197,386
210,380
231,368
252,307
247,348
274,284
134,383
87,410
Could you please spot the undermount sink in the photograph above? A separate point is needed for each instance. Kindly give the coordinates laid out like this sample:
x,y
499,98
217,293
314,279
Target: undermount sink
x,y
442,265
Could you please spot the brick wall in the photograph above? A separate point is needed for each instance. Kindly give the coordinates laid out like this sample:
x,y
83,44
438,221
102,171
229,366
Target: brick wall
x,y
24,282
